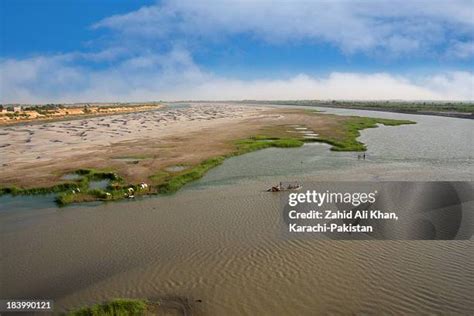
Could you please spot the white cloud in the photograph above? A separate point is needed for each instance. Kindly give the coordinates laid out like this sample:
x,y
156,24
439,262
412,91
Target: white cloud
x,y
175,76
394,26
452,85
351,86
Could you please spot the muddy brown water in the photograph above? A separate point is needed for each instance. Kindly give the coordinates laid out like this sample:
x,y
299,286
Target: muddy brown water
x,y
224,248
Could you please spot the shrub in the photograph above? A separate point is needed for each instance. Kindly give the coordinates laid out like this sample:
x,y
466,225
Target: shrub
x,y
118,307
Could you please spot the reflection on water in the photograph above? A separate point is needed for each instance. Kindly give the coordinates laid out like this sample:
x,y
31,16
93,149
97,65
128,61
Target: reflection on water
x,y
221,243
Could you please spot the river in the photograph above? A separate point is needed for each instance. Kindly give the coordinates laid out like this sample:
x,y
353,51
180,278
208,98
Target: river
x,y
218,240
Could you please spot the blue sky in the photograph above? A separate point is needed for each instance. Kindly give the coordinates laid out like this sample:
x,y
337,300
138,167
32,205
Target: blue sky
x,y
53,26
84,50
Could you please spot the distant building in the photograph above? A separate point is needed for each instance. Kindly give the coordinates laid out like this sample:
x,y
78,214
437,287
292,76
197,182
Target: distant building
x,y
11,108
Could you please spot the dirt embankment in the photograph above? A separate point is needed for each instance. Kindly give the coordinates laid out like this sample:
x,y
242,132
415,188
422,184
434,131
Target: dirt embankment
x,y
39,114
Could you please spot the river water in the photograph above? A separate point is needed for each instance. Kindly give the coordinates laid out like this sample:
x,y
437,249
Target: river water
x,y
218,240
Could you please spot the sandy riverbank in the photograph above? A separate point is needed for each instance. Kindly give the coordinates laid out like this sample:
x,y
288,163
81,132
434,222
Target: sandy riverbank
x,y
144,146
35,154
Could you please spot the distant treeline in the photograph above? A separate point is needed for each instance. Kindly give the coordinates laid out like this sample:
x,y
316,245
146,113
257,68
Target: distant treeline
x,y
43,107
50,106
402,106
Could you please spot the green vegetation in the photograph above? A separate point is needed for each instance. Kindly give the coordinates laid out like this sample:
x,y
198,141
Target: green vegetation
x,y
262,142
77,191
173,183
86,195
16,114
45,107
38,191
118,307
115,189
158,177
347,140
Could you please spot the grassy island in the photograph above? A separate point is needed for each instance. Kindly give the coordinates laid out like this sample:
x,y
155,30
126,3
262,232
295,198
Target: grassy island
x,y
347,139
138,307
118,307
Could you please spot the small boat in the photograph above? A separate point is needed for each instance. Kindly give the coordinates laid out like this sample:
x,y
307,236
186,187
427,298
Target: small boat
x,y
280,187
